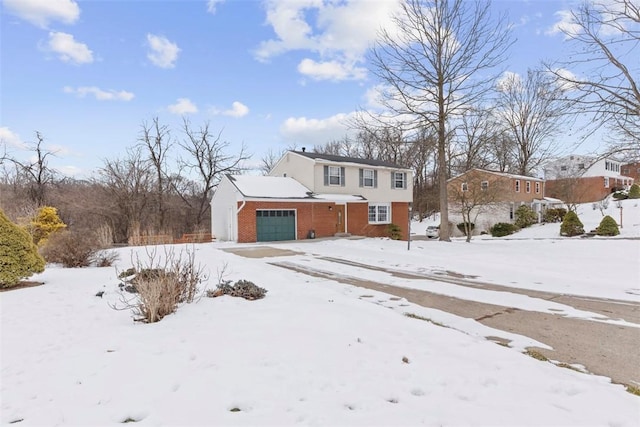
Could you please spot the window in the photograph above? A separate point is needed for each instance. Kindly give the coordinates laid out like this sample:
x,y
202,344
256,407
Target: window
x,y
511,211
398,180
484,185
368,178
537,188
528,186
379,213
606,182
464,186
563,168
580,165
334,175
517,185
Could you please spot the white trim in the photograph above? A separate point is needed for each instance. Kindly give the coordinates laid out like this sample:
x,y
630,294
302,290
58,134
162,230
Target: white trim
x,y
377,205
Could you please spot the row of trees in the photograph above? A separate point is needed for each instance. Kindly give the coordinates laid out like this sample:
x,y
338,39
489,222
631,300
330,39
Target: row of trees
x,y
441,63
446,104
150,190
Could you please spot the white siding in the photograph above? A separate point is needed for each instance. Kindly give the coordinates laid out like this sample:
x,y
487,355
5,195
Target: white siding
x,y
310,173
224,218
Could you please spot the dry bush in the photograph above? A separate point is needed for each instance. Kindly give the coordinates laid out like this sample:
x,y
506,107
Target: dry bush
x,y
104,235
70,248
105,258
162,283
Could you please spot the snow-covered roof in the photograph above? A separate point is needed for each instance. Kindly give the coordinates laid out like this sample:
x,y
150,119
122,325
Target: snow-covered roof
x,y
342,159
270,187
339,197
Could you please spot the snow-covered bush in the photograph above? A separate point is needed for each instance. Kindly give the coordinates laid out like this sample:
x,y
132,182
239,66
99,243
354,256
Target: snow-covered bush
x,y
242,288
19,256
571,225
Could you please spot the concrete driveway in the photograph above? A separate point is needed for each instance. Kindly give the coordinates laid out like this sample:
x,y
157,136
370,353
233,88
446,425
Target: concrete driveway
x,y
603,348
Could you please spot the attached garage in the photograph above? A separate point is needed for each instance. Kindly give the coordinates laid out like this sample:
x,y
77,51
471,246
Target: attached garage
x,y
275,224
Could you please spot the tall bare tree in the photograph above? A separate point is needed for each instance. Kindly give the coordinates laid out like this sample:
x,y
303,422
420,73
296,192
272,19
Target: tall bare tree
x,y
37,173
532,110
605,67
208,158
156,141
438,60
473,139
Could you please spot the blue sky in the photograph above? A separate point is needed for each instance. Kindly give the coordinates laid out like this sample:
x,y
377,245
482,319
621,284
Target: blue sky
x,y
269,74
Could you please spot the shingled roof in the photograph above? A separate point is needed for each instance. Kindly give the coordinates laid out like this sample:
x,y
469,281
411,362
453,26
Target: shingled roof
x,y
343,159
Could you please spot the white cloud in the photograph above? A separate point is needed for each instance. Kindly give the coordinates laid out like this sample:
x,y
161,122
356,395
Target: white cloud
x,y
309,132
339,32
331,70
237,110
41,12
183,106
68,49
212,5
565,25
99,94
507,80
7,136
164,53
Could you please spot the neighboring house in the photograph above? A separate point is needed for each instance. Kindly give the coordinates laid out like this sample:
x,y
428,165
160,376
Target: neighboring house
x,y
309,195
631,170
490,197
583,179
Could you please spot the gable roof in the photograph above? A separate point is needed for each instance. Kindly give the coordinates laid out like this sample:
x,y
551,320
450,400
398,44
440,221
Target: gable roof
x,y
280,187
342,159
269,187
503,174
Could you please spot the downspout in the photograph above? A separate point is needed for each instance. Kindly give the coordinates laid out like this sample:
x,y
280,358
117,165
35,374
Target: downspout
x,y
244,202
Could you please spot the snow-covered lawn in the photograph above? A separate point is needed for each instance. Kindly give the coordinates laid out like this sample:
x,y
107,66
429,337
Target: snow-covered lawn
x,y
314,351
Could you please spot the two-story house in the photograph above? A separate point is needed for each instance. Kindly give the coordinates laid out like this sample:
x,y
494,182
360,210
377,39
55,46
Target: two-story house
x,y
491,197
309,195
583,179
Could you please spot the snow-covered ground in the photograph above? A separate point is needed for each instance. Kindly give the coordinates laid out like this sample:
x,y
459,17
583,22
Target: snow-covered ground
x,y
314,351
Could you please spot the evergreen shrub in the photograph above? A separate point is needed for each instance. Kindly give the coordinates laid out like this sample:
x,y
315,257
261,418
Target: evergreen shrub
x,y
44,224
607,227
19,257
554,215
634,191
571,225
461,227
502,229
525,217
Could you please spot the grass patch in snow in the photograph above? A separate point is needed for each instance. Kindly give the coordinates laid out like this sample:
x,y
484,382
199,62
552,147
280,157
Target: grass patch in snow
x,y
536,355
633,390
426,319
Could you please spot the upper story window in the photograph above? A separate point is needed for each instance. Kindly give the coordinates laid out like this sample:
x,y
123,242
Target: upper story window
x,y
334,175
398,180
484,185
368,178
528,186
464,186
563,168
537,188
517,185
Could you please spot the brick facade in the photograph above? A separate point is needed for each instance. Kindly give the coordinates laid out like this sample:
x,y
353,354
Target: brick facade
x,y
584,190
322,218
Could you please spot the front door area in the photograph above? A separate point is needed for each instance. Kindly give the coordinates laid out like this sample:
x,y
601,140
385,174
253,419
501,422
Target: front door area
x,y
340,219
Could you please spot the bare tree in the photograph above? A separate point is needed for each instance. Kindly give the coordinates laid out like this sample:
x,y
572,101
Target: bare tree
x,y
37,173
155,139
269,160
475,193
532,111
128,183
208,158
439,60
472,141
606,35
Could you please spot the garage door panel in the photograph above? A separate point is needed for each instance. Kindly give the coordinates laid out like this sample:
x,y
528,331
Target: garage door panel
x,y
275,224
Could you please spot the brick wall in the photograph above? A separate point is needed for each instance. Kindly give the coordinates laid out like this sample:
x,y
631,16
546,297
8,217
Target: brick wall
x,y
318,217
358,220
309,216
581,190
